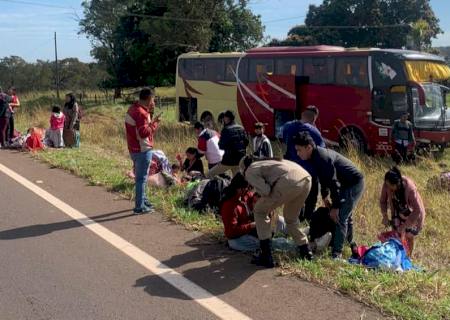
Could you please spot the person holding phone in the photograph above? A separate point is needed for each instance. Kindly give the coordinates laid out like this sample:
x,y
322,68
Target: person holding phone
x,y
140,129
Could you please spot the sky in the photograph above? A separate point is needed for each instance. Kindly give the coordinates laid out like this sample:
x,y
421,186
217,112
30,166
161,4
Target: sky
x,y
27,26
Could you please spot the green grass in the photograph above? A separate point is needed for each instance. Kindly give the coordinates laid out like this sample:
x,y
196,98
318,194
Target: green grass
x,y
103,160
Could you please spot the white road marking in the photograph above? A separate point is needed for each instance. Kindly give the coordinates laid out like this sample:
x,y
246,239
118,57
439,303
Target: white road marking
x,y
208,301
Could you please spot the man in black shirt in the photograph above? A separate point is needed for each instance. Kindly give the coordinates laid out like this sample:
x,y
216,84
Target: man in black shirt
x,y
340,180
233,141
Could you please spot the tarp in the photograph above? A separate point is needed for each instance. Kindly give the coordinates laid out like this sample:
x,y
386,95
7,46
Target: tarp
x,y
421,71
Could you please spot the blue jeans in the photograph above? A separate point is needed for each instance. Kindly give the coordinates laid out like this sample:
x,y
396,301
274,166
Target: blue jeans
x,y
344,228
246,243
141,162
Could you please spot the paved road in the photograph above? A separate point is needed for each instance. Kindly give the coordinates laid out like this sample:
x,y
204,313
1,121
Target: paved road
x,y
52,267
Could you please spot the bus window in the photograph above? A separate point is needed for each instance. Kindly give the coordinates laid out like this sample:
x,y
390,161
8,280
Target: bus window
x,y
288,67
319,70
260,67
352,71
230,69
214,69
243,70
198,69
185,68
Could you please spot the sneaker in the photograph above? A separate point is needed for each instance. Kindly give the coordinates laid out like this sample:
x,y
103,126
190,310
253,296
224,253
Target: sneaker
x,y
143,210
304,252
148,203
323,242
336,256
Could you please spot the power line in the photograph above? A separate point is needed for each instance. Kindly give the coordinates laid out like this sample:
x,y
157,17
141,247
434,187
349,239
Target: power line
x,y
283,19
39,4
356,27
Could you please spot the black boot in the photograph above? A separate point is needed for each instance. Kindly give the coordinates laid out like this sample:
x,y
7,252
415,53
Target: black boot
x,y
304,252
264,259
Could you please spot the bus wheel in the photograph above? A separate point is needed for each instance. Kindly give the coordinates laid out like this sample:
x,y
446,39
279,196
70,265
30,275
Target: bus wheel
x,y
352,138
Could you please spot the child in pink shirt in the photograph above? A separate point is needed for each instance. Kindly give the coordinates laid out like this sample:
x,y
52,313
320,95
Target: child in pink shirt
x,y
55,134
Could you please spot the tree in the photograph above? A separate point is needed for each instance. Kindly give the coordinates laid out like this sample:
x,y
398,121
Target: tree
x,y
369,23
139,42
40,76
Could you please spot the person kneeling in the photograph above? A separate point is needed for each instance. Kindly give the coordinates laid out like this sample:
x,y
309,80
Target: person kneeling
x,y
279,183
235,210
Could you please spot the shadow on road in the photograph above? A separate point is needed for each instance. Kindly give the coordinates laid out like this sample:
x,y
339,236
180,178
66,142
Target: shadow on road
x,y
215,268
43,229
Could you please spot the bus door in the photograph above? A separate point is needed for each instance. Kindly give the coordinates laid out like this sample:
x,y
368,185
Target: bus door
x,y
389,98
282,99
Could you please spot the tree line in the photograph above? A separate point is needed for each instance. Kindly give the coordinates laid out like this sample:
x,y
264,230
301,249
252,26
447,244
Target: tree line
x,y
74,75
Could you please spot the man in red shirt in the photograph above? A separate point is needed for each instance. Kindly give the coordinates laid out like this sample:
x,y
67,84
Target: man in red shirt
x,y
140,129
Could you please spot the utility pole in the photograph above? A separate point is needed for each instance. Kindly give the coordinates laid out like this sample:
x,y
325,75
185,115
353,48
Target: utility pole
x,y
56,69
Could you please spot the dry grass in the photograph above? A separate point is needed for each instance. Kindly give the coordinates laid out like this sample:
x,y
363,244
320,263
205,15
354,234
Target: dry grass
x,y
409,296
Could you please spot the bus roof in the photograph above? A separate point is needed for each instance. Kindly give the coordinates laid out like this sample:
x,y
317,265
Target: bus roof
x,y
193,55
321,50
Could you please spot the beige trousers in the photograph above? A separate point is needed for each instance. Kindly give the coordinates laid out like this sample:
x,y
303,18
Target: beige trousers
x,y
290,193
221,168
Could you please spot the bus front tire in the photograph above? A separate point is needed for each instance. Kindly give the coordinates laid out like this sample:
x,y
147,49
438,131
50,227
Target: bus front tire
x,y
351,138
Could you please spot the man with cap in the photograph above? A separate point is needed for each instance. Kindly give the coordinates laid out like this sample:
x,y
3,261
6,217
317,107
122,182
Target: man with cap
x,y
403,137
233,141
262,148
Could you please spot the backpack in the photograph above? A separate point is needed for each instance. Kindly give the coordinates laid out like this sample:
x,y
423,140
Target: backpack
x,y
213,192
390,255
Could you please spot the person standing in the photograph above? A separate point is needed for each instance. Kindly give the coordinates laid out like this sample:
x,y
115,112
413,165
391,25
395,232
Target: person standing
x,y
5,100
262,148
340,179
55,134
72,121
290,130
13,106
278,183
233,141
208,144
140,129
399,194
403,137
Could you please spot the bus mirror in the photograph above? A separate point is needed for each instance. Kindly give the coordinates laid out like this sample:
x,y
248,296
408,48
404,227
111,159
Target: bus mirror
x,y
444,98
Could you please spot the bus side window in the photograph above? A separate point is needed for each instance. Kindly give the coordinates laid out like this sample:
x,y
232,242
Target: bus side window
x,y
319,70
260,67
185,69
198,69
352,71
230,69
214,69
285,66
243,69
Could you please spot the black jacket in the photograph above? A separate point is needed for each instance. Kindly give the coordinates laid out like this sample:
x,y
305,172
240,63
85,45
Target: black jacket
x,y
233,141
4,105
335,172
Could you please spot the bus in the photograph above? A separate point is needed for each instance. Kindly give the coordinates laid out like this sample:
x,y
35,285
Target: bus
x,y
359,92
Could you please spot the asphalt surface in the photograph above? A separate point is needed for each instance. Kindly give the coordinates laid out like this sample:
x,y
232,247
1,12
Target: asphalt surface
x,y
52,267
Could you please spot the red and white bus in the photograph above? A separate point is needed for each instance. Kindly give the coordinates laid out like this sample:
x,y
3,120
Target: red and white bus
x,y
359,92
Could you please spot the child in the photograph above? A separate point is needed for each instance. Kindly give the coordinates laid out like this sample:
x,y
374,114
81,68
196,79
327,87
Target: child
x,y
192,165
261,144
55,134
400,195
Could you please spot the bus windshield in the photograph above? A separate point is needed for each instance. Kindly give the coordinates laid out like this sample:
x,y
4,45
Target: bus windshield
x,y
434,101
